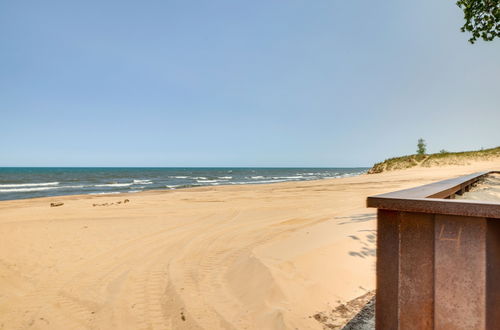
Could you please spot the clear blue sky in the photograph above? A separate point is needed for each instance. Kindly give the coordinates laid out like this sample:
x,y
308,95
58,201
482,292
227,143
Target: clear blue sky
x,y
240,83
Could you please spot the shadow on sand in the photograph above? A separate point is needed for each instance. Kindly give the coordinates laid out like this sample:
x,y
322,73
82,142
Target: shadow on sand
x,y
367,241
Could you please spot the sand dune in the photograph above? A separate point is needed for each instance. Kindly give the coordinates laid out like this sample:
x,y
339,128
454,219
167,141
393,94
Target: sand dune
x,y
238,257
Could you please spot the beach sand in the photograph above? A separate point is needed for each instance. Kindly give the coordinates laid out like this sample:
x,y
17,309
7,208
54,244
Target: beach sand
x,y
226,257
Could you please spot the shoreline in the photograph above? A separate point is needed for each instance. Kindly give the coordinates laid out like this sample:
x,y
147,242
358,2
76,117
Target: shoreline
x,y
235,256
25,183
250,184
131,193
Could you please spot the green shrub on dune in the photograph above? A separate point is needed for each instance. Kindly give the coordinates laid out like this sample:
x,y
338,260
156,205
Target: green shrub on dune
x,y
438,159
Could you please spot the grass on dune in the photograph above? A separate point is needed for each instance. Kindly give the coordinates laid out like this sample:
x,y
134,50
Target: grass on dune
x,y
437,159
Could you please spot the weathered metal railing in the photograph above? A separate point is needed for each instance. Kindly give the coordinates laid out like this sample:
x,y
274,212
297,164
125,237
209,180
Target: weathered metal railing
x,y
438,258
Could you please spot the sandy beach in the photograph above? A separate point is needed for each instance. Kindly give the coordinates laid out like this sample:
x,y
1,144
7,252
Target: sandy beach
x,y
227,257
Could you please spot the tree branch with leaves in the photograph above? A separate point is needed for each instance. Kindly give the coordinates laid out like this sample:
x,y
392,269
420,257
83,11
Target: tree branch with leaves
x,y
482,18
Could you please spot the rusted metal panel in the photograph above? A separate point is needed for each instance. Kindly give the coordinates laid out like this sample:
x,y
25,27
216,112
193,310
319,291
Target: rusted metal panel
x,y
416,271
460,272
493,274
438,260
386,308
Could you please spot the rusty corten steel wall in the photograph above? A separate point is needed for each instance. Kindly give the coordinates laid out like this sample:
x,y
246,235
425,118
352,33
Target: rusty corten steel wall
x,y
437,271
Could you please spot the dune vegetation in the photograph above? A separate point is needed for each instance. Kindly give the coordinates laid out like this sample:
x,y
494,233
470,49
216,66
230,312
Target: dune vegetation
x,y
437,159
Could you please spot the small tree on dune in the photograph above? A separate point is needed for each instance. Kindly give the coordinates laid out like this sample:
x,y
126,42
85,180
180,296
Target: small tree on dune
x,y
421,147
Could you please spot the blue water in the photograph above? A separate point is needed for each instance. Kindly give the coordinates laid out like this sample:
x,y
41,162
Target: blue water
x,y
29,182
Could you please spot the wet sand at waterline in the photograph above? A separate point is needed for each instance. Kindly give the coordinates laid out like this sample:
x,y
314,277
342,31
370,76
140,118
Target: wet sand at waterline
x,y
225,257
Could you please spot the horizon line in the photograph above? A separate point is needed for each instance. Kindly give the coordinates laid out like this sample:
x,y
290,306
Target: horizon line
x,y
185,166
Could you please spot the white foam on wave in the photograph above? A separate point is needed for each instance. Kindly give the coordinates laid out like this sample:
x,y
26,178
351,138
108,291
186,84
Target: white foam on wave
x,y
134,191
19,185
257,177
269,181
12,190
316,174
26,189
260,181
142,182
114,185
206,181
180,177
225,177
105,193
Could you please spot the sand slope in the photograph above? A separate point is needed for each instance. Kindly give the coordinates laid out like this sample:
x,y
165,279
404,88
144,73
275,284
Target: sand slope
x,y
239,257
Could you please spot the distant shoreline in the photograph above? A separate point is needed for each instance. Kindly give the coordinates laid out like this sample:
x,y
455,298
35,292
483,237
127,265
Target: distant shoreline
x,y
159,191
26,183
